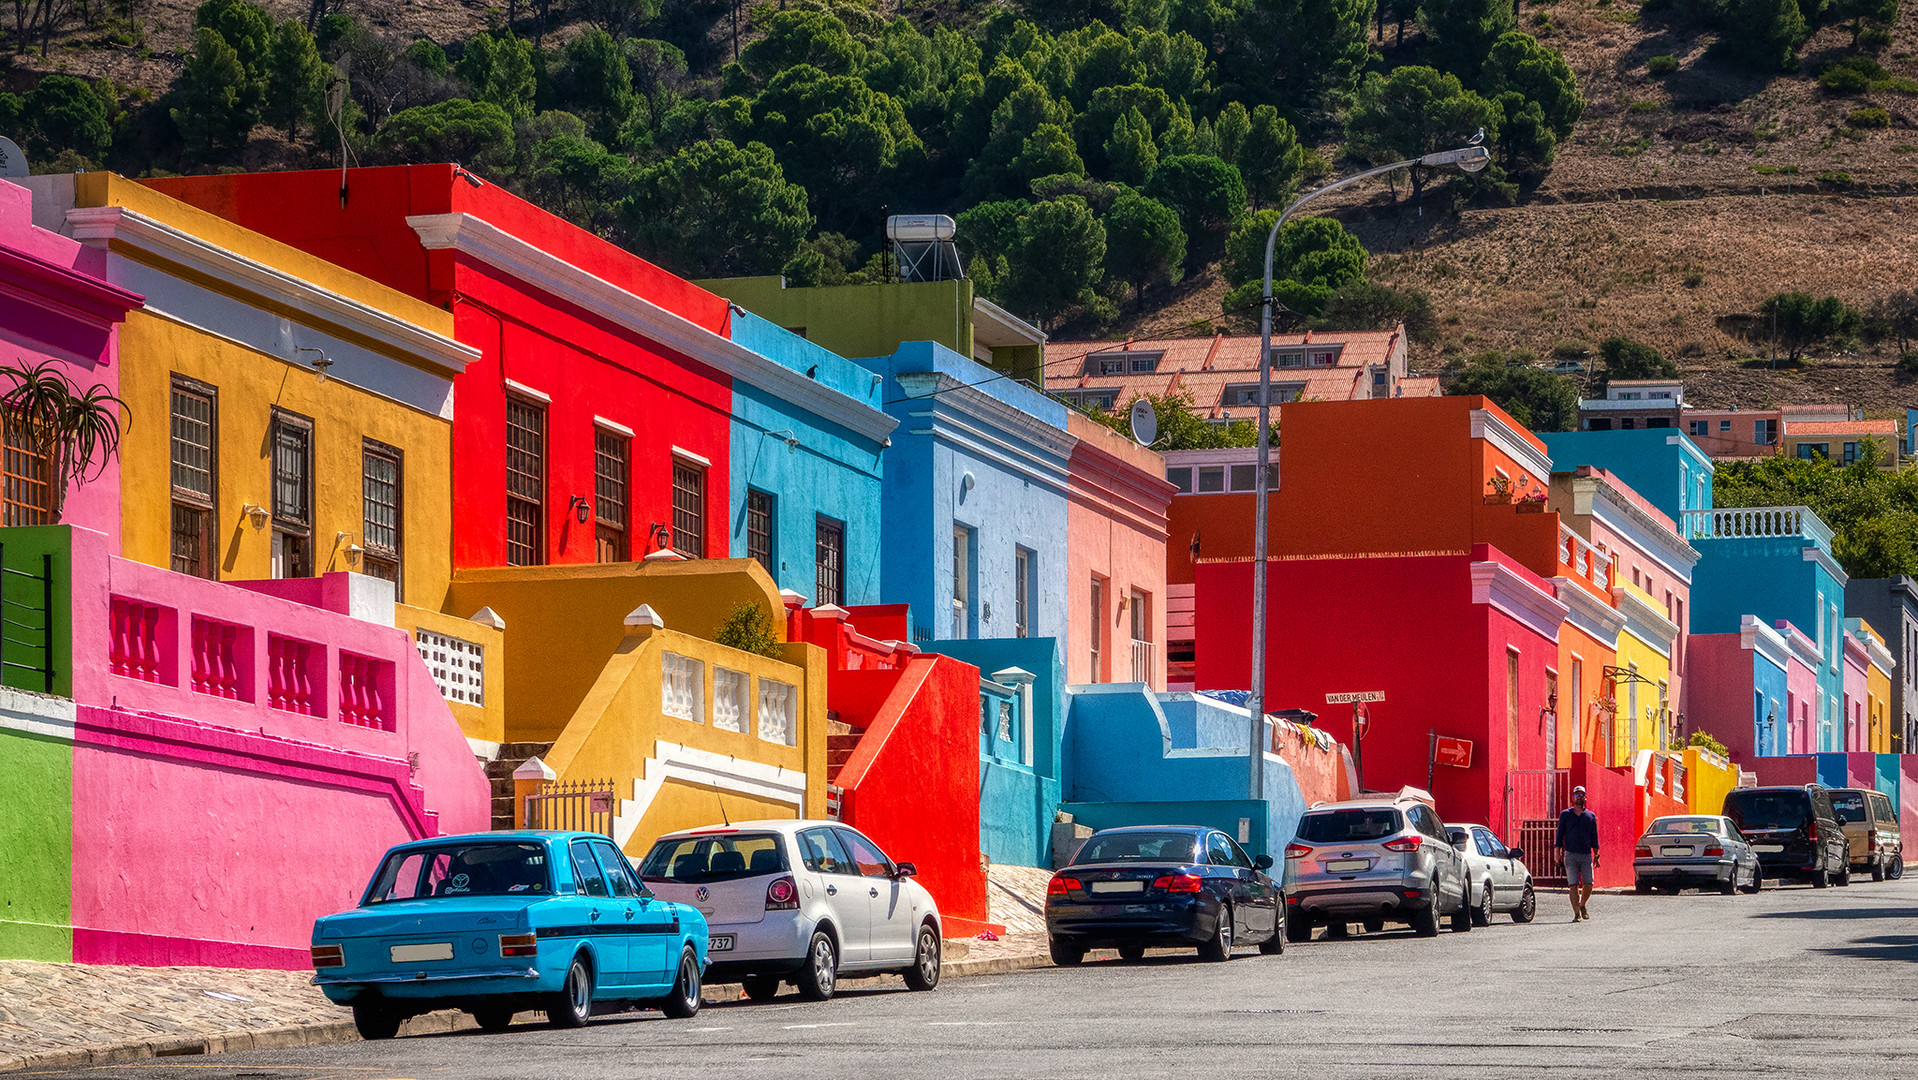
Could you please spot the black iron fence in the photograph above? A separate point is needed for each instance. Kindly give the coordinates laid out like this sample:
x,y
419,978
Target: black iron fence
x,y
573,806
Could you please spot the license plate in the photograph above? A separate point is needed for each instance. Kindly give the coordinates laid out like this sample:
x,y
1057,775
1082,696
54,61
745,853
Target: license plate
x,y
1341,866
1118,886
719,943
1768,847
406,954
1676,852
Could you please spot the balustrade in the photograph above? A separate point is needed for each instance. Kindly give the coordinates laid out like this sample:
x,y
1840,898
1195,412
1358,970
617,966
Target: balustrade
x,y
134,649
216,660
290,684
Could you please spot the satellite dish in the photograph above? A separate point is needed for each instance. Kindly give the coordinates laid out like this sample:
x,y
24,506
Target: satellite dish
x,y
1145,422
13,163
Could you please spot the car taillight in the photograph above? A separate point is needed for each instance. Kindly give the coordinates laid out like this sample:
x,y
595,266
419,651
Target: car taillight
x,y
782,895
518,945
1642,853
1179,883
1060,886
1413,894
1871,836
1297,851
1811,832
1404,843
1714,852
326,956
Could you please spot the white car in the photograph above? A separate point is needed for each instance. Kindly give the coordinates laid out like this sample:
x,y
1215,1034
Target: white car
x,y
799,901
1496,876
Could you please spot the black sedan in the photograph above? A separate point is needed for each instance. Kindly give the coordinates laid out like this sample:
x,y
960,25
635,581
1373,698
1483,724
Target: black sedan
x,y
1166,885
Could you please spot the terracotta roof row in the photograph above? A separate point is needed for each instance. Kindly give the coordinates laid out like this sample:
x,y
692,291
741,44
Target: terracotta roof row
x,y
1845,427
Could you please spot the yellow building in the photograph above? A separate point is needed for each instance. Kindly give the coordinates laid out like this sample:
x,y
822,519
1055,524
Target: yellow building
x,y
1708,778
1878,676
1643,720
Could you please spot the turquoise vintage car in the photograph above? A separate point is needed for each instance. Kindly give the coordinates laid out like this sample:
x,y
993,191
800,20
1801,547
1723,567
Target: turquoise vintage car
x,y
505,922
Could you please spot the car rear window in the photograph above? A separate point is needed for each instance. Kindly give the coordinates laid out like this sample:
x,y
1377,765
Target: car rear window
x,y
1768,809
1672,825
1850,805
700,859
1122,846
1350,826
453,870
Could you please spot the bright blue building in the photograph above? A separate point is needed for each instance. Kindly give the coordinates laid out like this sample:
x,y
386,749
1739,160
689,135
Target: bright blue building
x,y
1022,702
1661,464
806,468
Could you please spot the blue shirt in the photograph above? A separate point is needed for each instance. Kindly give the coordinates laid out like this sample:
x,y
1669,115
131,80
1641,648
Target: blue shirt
x,y
1577,831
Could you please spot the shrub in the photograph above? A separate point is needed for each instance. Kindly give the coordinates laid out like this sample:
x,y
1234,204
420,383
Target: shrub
x,y
750,628
1851,75
1835,179
1874,38
1694,279
1662,65
1871,116
1908,362
1700,738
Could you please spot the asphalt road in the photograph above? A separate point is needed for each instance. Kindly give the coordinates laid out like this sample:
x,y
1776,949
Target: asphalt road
x,y
1792,982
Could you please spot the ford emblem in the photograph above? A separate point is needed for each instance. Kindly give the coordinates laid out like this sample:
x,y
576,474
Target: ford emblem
x,y
702,894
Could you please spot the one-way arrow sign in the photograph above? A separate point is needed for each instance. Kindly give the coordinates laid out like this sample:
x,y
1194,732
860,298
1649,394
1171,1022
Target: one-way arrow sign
x,y
1454,752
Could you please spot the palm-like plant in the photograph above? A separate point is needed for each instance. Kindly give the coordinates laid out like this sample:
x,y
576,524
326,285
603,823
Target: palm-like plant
x,y
76,431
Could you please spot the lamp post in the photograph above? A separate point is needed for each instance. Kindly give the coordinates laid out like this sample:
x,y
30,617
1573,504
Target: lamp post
x,y
1470,158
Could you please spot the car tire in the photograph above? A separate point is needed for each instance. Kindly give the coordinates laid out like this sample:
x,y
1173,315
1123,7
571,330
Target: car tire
x,y
760,987
1219,949
682,1001
1462,916
1425,921
1132,952
1821,878
376,1022
572,1005
1298,930
1757,882
1275,944
1642,887
818,976
1374,926
1730,887
1065,954
1878,869
494,1018
1843,877
1482,911
1897,865
1527,908
924,972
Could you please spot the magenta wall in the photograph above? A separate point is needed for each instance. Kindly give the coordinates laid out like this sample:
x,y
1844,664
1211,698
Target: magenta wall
x,y
1721,692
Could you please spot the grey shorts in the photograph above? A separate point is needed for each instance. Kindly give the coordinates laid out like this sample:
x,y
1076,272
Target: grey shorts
x,y
1578,869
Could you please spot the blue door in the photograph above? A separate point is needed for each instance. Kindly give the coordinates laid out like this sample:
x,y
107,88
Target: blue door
x,y
601,918
646,926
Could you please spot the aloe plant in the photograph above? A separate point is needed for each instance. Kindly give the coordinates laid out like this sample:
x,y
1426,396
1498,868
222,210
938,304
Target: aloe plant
x,y
77,431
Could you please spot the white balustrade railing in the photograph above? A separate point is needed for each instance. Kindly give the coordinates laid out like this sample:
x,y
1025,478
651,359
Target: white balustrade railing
x,y
1142,655
1757,521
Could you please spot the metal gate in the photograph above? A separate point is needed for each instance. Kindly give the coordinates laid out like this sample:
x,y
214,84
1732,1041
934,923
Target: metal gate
x,y
1533,799
573,806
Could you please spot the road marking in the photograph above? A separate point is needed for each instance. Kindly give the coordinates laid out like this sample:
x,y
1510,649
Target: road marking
x,y
710,1029
809,1027
967,1023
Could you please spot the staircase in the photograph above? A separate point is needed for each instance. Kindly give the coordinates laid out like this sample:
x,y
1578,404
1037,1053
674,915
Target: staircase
x,y
499,773
841,740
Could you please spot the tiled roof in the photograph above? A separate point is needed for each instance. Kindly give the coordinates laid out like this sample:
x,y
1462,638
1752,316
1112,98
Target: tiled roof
x,y
1420,386
1204,367
1845,427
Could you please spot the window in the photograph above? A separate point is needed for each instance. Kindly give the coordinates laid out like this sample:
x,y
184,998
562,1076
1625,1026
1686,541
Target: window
x,y
759,529
292,441
611,481
1658,421
1629,395
29,487
1145,365
1764,432
1293,359
618,874
525,483
1180,478
822,853
829,563
1812,451
587,879
1324,357
961,581
380,512
682,687
1851,452
732,699
1596,424
1724,425
689,509
1378,382
1139,608
1656,395
1092,399
1551,719
1700,427
1511,708
1097,637
1628,424
1244,477
1022,593
868,858
778,712
195,466
1211,478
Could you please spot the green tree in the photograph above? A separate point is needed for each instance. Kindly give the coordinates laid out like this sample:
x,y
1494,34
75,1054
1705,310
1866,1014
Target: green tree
x,y
478,133
1519,63
1026,107
1144,244
1180,425
578,179
1311,259
1461,33
1057,259
295,85
65,113
246,27
1896,316
1314,50
499,68
1270,158
216,108
1764,34
1229,132
1873,513
1628,359
1538,399
989,230
1206,193
1131,154
1412,112
593,80
1526,142
714,209
835,136
795,37
1798,321
1048,151
1368,305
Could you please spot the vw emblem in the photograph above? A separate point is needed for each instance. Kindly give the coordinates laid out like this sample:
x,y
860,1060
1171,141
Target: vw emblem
x,y
702,894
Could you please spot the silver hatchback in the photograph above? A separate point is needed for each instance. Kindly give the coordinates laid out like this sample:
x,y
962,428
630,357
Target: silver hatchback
x,y
1374,861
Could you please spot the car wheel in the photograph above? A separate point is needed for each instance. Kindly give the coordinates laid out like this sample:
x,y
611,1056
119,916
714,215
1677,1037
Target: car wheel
x,y
1527,906
572,1006
819,975
1299,929
376,1022
1820,878
1462,917
1642,887
1425,921
1275,944
1843,877
682,1002
924,972
1482,914
1757,882
1132,952
1219,949
1878,869
494,1017
1374,926
1065,954
1337,931
1897,865
1730,887
760,987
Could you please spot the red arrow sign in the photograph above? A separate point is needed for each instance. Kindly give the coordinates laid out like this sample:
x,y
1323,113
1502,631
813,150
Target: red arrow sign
x,y
1454,752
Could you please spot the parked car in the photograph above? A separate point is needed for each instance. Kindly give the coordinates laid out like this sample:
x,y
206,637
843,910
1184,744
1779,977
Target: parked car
x,y
1871,832
800,902
1794,830
1374,861
1496,876
498,923
1175,885
1701,851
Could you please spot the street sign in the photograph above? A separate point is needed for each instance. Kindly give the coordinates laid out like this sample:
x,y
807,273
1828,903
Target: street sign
x,y
1454,752
1355,697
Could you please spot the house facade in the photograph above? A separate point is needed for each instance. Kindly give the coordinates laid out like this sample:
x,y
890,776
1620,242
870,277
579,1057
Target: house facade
x,y
1890,605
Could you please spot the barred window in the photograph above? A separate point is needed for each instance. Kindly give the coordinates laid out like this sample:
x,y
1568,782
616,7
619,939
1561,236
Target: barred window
x,y
759,530
610,479
194,469
525,483
689,509
380,512
292,442
829,576
29,487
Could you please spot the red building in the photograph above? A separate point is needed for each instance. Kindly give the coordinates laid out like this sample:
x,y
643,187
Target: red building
x,y
587,400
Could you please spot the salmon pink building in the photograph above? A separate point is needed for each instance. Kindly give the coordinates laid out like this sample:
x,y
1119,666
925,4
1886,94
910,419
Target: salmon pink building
x,y
1116,601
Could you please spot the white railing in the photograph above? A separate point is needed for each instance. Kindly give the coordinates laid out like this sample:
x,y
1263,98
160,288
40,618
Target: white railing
x,y
1757,521
1142,662
458,666
1585,560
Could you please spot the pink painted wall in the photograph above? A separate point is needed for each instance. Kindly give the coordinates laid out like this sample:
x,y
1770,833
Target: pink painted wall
x,y
1854,731
1721,678
1669,594
55,305
1801,683
1115,529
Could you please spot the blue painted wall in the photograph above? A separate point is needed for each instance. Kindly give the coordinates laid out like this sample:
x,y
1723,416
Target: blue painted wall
x,y
1015,449
1017,801
830,473
1770,577
1181,753
1768,685
1661,464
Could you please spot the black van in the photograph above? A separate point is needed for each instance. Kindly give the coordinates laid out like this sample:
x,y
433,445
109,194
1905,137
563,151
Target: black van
x,y
1795,832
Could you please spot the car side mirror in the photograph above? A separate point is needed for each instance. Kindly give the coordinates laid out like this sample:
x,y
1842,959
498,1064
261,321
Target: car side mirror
x,y
1263,862
905,870
1459,843
1517,853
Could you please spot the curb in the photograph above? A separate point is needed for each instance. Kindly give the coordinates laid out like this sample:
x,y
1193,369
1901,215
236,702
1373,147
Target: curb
x,y
339,1031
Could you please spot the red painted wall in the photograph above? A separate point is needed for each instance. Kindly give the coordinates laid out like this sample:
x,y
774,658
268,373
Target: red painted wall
x,y
588,366
1609,794
1720,675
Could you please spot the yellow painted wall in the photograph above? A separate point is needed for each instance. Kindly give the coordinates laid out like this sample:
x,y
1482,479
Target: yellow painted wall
x,y
1650,665
487,720
1707,779
1878,697
566,621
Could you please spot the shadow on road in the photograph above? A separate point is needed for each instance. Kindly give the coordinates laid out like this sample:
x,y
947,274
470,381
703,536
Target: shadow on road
x,y
1889,947
1842,913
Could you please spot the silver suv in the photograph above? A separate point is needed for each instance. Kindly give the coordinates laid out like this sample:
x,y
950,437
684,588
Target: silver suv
x,y
1373,861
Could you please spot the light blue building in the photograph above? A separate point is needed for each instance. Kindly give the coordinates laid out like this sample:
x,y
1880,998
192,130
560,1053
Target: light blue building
x,y
1661,464
806,469
1022,703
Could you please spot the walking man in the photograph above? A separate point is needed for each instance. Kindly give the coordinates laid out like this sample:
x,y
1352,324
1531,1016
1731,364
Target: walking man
x,y
1578,841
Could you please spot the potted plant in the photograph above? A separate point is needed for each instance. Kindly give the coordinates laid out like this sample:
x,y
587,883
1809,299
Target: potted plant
x,y
1532,504
74,431
1501,491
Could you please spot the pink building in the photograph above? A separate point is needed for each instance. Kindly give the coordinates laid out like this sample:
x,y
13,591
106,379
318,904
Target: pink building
x,y
1804,702
1734,433
1857,729
1116,509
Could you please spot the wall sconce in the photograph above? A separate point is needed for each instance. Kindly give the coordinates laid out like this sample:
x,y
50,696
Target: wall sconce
x,y
791,440
320,365
353,553
662,536
256,514
582,509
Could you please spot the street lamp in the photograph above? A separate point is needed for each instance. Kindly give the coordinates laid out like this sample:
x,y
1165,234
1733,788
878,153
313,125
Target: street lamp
x,y
1471,158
